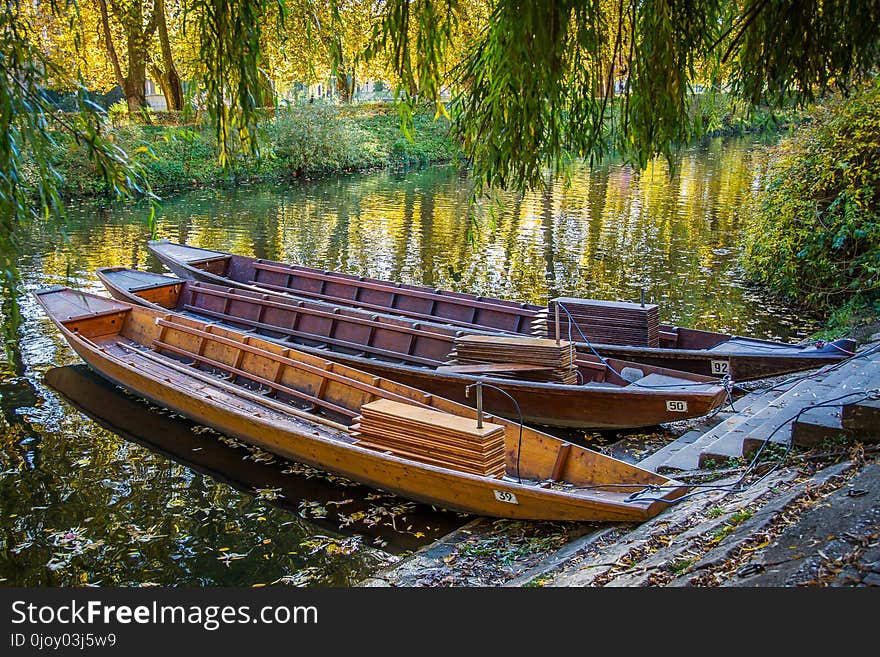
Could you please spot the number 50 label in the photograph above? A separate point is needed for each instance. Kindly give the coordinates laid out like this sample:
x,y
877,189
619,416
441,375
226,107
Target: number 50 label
x,y
505,496
676,406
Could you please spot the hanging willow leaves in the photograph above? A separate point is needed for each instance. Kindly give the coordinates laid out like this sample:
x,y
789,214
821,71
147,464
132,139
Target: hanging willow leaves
x,y
29,131
230,33
416,36
547,82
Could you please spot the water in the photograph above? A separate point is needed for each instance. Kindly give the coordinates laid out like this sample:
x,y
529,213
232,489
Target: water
x,y
99,488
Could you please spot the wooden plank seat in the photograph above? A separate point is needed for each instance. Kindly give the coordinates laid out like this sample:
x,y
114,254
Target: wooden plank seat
x,y
510,307
433,437
326,371
369,306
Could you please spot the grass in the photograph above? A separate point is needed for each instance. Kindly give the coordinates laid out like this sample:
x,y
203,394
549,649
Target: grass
x,y
295,142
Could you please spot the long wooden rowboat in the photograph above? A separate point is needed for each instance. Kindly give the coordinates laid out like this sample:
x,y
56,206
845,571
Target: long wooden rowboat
x,y
303,407
416,354
701,352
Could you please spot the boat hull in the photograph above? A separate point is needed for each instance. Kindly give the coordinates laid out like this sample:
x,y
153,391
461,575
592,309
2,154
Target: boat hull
x,y
757,359
740,367
456,491
591,406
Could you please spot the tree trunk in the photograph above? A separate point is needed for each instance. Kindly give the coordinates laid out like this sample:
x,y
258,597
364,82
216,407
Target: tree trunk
x,y
168,80
133,84
135,88
344,85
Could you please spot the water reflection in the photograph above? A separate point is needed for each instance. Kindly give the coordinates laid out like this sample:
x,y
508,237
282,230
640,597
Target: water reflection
x,y
612,233
81,505
85,507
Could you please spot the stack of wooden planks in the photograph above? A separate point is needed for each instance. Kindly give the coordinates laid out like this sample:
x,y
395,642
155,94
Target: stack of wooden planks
x,y
432,437
608,322
532,359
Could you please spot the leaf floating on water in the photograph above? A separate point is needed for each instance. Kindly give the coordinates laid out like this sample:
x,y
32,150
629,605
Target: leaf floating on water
x,y
228,557
301,578
259,455
308,509
333,546
144,535
268,493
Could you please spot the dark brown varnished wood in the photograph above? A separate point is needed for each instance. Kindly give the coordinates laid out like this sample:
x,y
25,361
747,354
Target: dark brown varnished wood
x,y
690,350
417,354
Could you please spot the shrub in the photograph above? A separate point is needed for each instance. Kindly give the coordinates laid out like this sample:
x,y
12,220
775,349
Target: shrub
x,y
813,228
316,137
118,112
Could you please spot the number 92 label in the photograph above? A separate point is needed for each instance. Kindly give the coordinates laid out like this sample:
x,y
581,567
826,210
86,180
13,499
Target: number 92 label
x,y
720,367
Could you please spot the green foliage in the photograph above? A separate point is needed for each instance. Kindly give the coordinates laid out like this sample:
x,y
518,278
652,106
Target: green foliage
x,y
312,137
118,112
30,131
302,139
547,82
813,231
230,51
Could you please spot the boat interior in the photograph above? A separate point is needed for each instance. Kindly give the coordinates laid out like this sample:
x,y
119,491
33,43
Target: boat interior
x,y
363,334
436,305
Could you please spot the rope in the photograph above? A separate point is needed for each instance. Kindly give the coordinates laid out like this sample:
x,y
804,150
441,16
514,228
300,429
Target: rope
x,y
725,381
820,372
737,486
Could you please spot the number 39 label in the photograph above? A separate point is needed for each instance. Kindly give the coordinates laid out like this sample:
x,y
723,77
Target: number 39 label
x,y
676,406
504,496
720,367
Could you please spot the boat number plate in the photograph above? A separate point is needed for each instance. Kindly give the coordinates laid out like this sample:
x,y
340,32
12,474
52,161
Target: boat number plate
x,y
505,496
676,405
720,367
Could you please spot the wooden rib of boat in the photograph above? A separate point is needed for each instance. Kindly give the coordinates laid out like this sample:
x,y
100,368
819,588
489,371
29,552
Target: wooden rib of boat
x,y
691,350
417,354
302,407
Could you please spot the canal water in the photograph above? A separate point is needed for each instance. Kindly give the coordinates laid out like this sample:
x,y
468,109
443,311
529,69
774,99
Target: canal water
x,y
100,488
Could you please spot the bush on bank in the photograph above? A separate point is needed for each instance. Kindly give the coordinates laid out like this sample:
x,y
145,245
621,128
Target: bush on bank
x,y
812,231
300,140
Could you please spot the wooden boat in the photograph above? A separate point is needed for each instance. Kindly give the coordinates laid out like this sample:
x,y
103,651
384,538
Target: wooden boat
x,y
701,352
304,407
417,354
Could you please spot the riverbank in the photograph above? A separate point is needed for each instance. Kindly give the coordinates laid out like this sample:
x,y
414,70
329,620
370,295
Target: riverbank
x,y
808,517
176,153
302,141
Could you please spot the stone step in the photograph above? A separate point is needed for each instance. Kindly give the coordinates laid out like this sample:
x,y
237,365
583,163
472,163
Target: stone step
x,y
817,425
826,422
665,453
855,377
803,391
764,414
729,444
864,415
686,454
